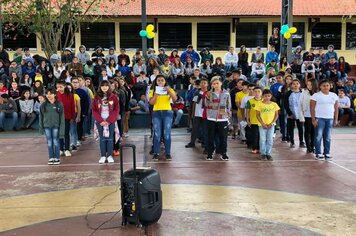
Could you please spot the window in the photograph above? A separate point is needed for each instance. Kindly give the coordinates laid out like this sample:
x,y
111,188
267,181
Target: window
x,y
20,41
215,36
351,36
324,34
97,34
18,38
251,35
130,38
298,37
175,35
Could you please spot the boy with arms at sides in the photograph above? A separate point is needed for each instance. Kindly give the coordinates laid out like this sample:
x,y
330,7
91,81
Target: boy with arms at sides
x,y
252,121
267,114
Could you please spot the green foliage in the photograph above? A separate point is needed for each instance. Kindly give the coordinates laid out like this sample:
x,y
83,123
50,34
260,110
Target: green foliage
x,y
54,21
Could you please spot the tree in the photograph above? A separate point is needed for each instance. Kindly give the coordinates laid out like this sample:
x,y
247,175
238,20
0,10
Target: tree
x,y
54,21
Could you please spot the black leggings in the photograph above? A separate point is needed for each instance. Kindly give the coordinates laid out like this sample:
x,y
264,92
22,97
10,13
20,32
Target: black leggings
x,y
218,129
64,143
309,133
290,127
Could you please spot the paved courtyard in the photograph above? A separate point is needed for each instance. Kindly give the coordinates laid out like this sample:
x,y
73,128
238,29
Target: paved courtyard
x,y
293,195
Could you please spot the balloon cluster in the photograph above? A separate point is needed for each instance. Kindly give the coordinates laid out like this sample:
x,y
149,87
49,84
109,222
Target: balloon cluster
x,y
287,32
148,32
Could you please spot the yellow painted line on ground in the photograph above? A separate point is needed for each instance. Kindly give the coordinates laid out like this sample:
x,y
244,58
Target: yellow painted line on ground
x,y
323,215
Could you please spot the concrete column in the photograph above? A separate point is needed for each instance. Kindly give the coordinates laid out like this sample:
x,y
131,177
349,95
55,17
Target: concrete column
x,y
308,36
195,35
77,41
343,36
269,32
155,39
117,36
232,35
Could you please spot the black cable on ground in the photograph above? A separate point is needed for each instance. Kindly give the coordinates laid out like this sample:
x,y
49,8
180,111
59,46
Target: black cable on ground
x,y
94,206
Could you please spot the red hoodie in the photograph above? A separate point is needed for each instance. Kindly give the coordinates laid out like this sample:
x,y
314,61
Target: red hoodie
x,y
69,106
114,108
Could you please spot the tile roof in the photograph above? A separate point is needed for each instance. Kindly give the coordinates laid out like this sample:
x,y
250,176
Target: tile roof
x,y
230,8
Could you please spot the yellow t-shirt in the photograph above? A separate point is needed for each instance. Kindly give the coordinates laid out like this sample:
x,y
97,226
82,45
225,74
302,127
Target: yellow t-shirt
x,y
238,99
355,103
267,111
39,78
251,104
76,99
163,102
91,95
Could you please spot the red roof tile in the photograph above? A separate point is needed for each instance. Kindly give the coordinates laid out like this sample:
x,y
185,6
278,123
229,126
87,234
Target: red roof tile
x,y
233,8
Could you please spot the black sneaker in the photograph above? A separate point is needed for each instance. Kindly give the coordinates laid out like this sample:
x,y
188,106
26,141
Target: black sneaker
x,y
302,145
151,152
310,150
292,145
168,157
284,140
263,158
224,157
319,157
209,158
190,145
74,148
155,157
328,158
50,161
269,157
56,162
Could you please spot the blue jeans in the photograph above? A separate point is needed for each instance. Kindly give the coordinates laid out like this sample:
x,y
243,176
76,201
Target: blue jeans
x,y
323,131
73,133
106,143
266,140
329,74
13,117
159,118
179,114
52,135
230,67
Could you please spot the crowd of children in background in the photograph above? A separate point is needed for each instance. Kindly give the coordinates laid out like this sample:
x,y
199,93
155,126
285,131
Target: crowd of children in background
x,y
222,96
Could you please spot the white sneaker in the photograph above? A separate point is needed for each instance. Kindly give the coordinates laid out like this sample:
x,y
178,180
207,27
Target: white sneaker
x,y
67,153
110,159
61,153
126,135
102,160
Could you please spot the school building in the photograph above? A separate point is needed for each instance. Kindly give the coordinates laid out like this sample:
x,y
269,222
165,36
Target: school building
x,y
216,25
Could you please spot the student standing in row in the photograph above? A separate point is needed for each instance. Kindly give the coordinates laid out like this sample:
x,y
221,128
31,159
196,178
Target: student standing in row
x,y
160,96
218,113
105,109
305,115
252,121
51,123
199,114
292,106
267,114
324,112
67,100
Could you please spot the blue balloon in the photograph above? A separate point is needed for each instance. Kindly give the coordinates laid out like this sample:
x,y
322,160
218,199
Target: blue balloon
x,y
284,29
143,33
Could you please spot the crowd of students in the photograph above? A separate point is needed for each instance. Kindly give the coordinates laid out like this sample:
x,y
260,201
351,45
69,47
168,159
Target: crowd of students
x,y
223,96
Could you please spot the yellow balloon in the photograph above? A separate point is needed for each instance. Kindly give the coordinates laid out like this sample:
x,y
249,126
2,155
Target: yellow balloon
x,y
150,28
292,30
151,34
287,35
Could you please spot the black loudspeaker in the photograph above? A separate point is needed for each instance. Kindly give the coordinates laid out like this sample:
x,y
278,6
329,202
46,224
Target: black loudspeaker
x,y
141,195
